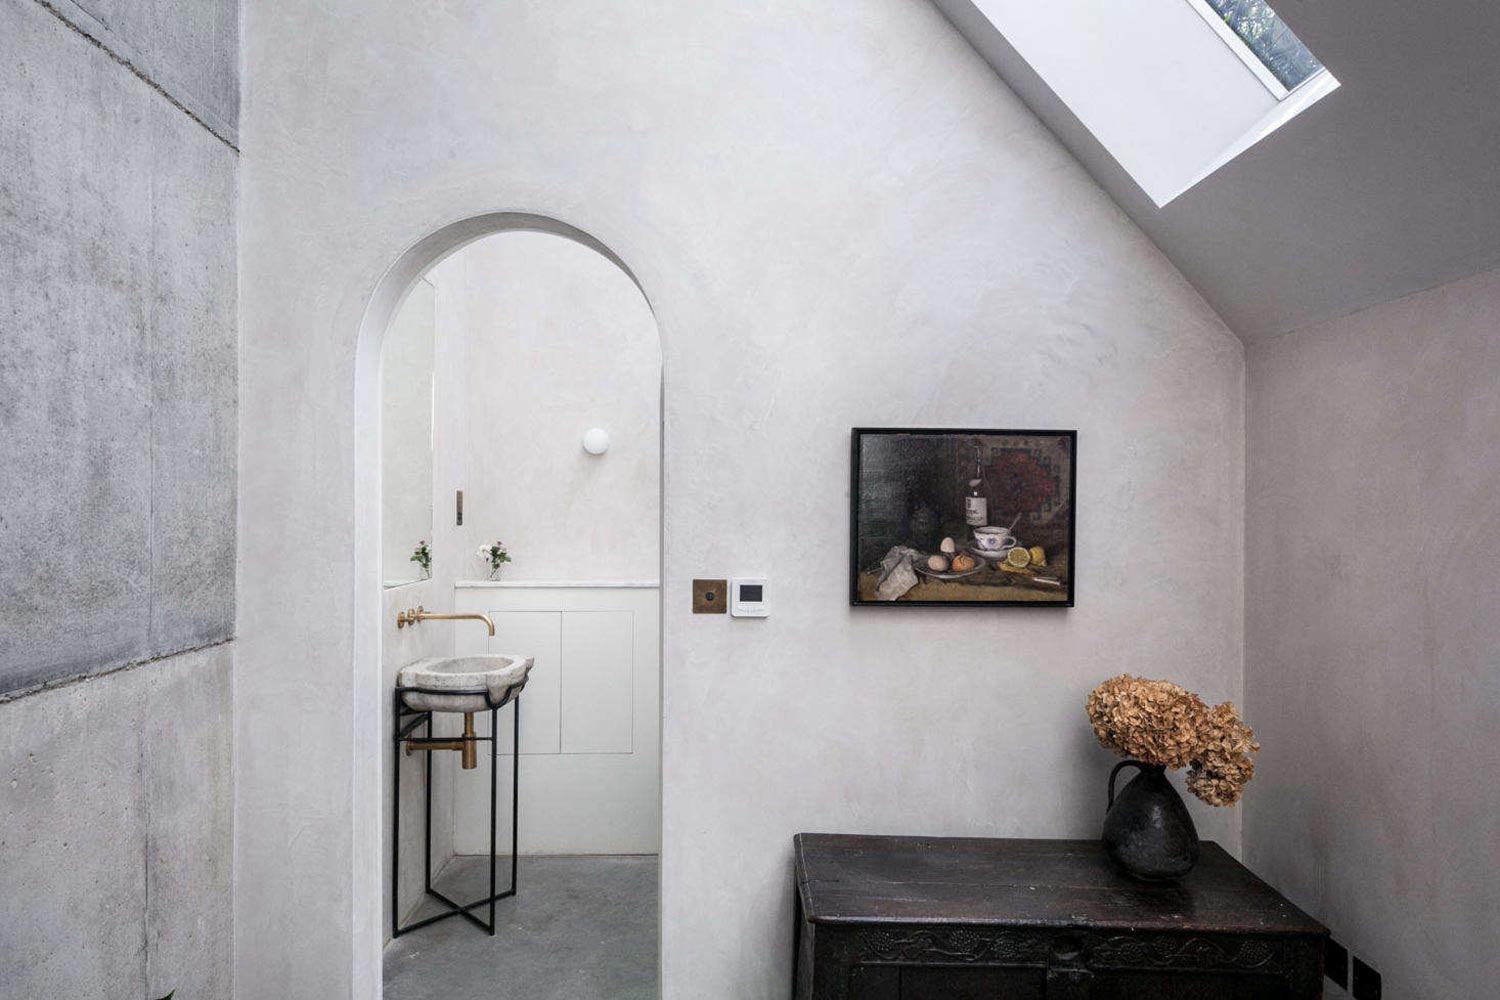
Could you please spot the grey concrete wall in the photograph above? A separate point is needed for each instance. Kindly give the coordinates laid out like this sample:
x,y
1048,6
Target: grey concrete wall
x,y
115,852
189,49
117,378
1373,565
117,496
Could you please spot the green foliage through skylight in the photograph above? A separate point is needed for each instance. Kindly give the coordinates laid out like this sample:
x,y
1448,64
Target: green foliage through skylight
x,y
1269,38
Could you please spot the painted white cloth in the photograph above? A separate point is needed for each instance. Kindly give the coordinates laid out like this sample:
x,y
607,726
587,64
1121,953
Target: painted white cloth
x,y
896,573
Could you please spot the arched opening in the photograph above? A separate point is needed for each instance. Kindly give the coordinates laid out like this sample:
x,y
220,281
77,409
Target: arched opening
x,y
373,693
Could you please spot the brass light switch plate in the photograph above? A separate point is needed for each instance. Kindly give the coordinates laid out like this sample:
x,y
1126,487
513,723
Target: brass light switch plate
x,y
710,597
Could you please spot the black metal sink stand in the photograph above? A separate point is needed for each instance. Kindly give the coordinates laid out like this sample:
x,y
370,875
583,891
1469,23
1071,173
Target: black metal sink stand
x,y
407,722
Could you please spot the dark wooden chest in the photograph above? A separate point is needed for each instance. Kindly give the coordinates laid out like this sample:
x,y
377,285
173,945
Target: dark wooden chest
x,y
914,918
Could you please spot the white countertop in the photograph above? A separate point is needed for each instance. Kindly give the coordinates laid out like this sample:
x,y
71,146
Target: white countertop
x,y
556,584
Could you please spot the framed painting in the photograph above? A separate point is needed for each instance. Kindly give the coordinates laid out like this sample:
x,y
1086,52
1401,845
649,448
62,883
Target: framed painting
x,y
962,518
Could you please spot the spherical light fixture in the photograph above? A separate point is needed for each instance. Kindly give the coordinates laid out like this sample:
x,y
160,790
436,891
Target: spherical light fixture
x,y
596,440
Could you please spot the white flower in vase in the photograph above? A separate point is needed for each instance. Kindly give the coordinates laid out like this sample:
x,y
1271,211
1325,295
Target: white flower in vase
x,y
496,556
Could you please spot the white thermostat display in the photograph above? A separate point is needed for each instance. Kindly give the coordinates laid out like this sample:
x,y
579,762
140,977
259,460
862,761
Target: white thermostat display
x,y
747,597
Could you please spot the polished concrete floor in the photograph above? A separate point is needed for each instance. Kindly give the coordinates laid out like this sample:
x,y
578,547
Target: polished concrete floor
x,y
579,929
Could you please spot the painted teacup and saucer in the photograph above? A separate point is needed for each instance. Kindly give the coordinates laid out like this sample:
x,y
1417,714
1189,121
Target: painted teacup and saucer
x,y
992,543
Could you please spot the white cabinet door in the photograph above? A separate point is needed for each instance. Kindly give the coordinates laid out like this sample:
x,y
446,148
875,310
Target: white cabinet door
x,y
598,653
537,634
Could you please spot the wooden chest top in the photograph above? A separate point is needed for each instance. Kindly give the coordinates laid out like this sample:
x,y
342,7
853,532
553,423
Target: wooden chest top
x,y
845,879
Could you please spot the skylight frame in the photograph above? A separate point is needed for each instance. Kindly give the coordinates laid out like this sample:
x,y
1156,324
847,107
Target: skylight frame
x,y
1248,55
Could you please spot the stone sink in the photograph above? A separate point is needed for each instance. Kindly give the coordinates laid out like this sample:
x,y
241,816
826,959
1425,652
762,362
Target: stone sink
x,y
478,683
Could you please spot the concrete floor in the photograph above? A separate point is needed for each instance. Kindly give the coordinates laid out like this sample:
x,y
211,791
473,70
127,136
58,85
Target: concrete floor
x,y
578,929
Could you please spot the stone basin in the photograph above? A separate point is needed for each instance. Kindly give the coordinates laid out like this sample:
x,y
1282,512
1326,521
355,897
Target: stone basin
x,y
465,683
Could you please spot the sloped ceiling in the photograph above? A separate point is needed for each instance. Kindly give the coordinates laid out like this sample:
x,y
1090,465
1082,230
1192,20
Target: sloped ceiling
x,y
1388,186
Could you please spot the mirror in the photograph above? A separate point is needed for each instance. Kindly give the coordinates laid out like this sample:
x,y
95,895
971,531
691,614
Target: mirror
x,y
406,372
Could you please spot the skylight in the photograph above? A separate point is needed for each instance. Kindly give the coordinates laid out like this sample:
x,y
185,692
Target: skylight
x,y
1268,38
1225,75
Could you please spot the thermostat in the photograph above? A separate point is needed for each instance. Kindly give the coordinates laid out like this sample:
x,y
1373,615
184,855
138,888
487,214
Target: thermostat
x,y
747,597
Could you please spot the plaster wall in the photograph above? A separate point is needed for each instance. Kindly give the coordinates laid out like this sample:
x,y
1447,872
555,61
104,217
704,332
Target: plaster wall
x,y
400,647
407,381
117,496
839,218
541,339
1373,565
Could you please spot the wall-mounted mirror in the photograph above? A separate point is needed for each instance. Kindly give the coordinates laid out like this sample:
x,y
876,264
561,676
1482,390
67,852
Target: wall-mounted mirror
x,y
406,360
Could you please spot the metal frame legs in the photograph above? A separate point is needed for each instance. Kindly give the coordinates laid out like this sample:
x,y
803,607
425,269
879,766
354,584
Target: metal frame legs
x,y
455,909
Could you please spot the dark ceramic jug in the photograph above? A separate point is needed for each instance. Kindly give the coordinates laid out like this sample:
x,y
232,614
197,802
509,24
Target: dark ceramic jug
x,y
1147,829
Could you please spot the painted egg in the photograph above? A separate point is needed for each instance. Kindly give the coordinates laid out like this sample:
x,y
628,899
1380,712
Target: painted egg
x,y
938,564
948,547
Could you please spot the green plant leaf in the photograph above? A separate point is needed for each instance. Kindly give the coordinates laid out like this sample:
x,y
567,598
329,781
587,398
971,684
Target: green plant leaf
x,y
169,996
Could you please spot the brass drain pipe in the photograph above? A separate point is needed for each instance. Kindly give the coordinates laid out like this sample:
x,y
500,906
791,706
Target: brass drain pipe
x,y
467,744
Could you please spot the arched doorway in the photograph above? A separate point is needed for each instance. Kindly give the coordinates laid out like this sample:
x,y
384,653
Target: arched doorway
x,y
372,689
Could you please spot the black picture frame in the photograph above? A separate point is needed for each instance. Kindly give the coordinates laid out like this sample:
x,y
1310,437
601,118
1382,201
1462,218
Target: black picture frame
x,y
863,543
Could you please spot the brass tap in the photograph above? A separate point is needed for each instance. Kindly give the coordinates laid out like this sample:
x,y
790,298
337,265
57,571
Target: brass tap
x,y
413,615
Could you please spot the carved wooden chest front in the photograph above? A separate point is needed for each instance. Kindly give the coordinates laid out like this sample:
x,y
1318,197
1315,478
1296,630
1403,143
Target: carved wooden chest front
x,y
913,918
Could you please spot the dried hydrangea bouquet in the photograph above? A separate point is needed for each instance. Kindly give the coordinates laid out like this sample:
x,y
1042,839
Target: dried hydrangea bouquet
x,y
1158,725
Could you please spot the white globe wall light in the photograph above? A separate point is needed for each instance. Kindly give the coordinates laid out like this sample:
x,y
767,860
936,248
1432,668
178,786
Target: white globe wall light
x,y
596,440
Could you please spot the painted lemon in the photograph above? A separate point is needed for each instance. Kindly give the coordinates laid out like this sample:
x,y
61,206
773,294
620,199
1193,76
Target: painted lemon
x,y
1038,555
1018,557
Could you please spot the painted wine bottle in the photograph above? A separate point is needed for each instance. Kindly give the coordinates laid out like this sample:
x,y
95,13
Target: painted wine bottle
x,y
976,504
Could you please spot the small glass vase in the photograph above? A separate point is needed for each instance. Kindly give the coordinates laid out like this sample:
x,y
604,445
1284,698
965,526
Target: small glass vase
x,y
495,572
1147,828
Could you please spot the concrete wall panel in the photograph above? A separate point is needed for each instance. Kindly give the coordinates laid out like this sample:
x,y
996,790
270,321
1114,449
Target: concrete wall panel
x,y
117,382
189,47
73,841
193,390
115,836
117,504
75,463
186,737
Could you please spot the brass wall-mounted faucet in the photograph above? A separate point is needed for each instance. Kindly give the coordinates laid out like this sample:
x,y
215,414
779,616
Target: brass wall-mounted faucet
x,y
413,615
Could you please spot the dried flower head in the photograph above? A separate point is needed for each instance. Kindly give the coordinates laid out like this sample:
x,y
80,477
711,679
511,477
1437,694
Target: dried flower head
x,y
1153,721
1158,722
1223,764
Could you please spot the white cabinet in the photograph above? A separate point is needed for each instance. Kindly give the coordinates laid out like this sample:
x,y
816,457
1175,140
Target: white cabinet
x,y
537,634
597,689
590,719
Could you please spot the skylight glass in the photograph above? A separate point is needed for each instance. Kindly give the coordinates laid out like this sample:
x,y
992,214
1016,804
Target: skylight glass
x,y
1269,38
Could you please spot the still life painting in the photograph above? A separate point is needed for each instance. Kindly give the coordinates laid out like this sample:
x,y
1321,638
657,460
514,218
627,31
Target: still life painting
x,y
962,518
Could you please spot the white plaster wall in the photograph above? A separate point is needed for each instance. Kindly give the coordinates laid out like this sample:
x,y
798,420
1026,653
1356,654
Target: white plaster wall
x,y
407,381
1373,569
401,646
542,339
840,217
